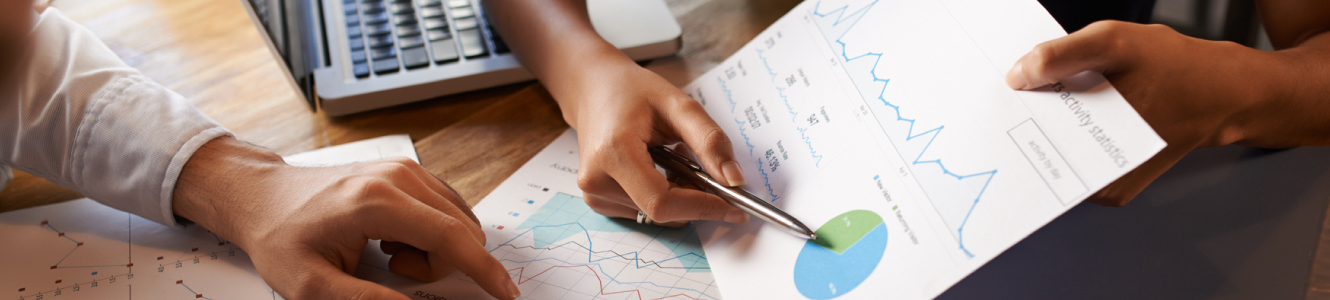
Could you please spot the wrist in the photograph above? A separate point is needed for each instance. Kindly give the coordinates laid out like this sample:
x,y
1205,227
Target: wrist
x,y
221,183
1279,112
576,89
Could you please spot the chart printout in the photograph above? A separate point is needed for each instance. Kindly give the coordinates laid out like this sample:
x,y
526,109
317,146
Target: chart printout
x,y
84,250
555,247
888,128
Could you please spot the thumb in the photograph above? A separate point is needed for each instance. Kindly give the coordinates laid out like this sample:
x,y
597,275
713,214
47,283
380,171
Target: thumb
x,y
706,139
1095,48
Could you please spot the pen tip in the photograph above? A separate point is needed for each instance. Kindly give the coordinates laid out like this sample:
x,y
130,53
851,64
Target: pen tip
x,y
812,236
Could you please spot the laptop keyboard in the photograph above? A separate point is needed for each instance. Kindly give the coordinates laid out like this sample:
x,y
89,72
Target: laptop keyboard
x,y
387,36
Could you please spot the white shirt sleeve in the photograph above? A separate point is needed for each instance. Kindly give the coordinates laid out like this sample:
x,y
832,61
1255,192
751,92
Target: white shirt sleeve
x,y
84,120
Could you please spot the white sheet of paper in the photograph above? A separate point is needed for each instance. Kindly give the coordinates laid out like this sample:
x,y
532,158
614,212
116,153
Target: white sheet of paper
x,y
84,250
887,127
555,247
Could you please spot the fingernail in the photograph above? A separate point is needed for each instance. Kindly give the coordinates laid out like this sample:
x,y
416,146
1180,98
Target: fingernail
x,y
513,292
1016,77
733,173
736,216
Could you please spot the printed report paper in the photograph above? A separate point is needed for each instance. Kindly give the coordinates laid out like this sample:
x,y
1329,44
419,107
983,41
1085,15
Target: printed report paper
x,y
887,127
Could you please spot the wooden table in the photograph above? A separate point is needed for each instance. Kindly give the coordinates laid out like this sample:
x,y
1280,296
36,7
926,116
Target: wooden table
x,y
210,52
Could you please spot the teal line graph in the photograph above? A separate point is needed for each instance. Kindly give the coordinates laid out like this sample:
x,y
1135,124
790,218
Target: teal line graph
x,y
566,222
954,195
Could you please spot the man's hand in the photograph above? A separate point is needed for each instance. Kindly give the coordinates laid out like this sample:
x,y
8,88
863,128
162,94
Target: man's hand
x,y
304,227
1194,93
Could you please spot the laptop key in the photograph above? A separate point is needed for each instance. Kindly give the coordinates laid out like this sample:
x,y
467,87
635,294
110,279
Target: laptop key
x,y
463,12
429,3
472,44
375,18
458,3
360,69
438,34
466,23
410,41
430,12
353,31
415,57
385,66
372,7
406,30
356,43
352,19
444,50
401,8
383,53
435,23
380,41
358,56
407,18
378,29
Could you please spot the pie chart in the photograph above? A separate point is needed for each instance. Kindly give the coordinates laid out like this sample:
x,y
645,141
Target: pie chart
x,y
847,250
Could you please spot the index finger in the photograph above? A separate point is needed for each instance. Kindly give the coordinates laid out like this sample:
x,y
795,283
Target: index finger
x,y
447,240
654,195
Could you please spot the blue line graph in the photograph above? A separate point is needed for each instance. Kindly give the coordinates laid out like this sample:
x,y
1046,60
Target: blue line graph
x,y
729,95
567,216
913,144
794,116
637,260
591,261
743,131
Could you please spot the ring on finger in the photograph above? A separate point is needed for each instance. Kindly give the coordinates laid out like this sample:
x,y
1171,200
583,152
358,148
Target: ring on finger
x,y
642,218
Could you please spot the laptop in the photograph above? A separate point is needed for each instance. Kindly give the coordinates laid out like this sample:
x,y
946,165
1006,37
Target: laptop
x,y
349,56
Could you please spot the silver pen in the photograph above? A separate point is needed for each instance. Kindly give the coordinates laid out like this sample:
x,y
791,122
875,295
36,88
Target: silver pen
x,y
695,173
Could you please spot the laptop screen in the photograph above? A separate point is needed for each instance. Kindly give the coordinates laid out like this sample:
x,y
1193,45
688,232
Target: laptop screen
x,y
293,30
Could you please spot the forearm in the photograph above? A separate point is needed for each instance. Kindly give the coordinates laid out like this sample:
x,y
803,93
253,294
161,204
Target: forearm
x,y
78,116
1295,109
556,42
218,182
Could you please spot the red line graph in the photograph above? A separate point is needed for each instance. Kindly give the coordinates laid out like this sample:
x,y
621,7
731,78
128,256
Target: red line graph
x,y
522,270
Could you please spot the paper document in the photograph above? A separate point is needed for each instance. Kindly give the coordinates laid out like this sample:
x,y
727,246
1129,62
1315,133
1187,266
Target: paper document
x,y
84,250
555,247
887,127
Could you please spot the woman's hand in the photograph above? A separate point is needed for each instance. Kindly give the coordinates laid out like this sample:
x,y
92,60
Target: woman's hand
x,y
626,109
304,227
619,109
